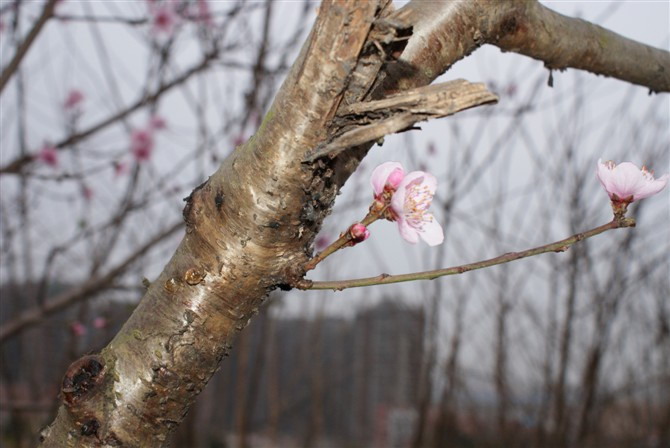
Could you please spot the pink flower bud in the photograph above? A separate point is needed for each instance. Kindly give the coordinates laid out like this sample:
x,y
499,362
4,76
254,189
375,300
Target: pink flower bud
x,y
99,323
141,144
157,123
359,232
78,329
87,192
74,99
48,155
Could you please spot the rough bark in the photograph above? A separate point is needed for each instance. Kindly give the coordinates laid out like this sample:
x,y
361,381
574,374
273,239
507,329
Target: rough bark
x,y
248,230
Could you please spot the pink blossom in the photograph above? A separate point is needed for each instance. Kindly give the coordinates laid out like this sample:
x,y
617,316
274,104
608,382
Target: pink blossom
x,y
322,242
87,192
626,182
359,232
204,14
99,322
386,177
157,123
48,155
78,329
164,19
120,168
141,144
410,205
410,197
74,98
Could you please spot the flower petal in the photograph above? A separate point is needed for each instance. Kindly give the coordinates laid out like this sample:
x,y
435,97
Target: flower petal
x,y
381,174
626,178
408,232
604,174
432,232
651,187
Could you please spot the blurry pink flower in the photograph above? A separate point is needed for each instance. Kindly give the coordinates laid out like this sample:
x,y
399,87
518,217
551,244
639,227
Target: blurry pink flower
x,y
87,192
204,15
164,19
386,177
141,144
78,329
239,140
322,242
99,323
626,182
48,155
410,205
359,232
74,98
157,123
120,168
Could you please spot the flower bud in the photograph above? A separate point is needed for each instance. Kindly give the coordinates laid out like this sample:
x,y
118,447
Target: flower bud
x,y
359,233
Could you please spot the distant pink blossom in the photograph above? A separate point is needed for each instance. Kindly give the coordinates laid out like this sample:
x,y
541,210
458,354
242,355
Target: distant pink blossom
x,y
204,15
99,322
410,197
626,182
141,144
164,19
78,329
239,140
120,168
157,123
87,192
48,155
322,242
74,98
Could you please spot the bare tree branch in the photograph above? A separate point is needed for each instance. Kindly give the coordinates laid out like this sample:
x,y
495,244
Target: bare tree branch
x,y
16,165
445,32
561,42
22,50
95,285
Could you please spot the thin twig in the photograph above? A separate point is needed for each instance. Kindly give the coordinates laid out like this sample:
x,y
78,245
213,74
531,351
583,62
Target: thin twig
x,y
384,279
22,50
343,241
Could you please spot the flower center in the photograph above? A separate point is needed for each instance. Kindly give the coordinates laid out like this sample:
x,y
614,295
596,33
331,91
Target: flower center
x,y
417,201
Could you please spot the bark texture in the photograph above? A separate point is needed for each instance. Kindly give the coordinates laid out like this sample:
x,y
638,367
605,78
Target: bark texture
x,y
249,230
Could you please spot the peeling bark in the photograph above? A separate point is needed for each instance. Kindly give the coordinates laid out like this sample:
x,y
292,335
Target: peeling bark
x,y
249,230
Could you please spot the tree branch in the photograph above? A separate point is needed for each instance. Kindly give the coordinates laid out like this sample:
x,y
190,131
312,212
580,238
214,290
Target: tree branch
x,y
385,279
16,165
531,29
248,229
446,31
22,50
95,285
